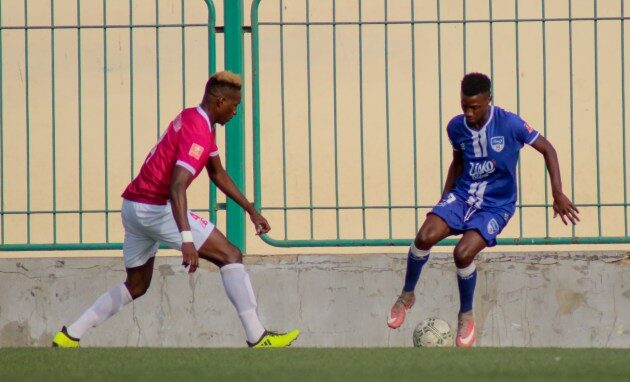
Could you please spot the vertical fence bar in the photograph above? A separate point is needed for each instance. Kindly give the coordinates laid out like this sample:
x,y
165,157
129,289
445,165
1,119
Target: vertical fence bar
x,y
183,18
544,38
2,240
463,35
572,122
389,168
105,121
335,116
595,38
53,120
284,151
518,111
157,68
212,196
235,132
28,127
623,120
310,118
361,131
414,116
80,122
131,89
439,54
491,46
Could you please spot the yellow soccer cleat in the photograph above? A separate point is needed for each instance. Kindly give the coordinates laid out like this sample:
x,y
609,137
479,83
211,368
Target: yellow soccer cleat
x,y
63,340
275,340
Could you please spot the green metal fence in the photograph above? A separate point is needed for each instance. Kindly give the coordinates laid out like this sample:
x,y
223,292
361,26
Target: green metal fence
x,y
81,103
351,98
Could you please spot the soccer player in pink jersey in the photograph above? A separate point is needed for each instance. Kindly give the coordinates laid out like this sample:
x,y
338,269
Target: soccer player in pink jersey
x,y
155,210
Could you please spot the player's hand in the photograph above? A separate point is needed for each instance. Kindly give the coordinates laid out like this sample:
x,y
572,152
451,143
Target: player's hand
x,y
566,209
190,257
261,224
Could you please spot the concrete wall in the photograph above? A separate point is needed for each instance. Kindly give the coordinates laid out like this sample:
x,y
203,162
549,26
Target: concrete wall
x,y
535,299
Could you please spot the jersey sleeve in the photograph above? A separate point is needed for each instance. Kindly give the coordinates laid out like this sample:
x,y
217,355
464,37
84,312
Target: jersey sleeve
x,y
194,148
524,133
451,134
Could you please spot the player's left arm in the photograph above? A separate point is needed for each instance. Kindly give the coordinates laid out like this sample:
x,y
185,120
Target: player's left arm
x,y
562,205
224,182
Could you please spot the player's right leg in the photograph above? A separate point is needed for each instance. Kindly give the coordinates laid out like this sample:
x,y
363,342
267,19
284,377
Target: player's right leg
x,y
218,250
432,231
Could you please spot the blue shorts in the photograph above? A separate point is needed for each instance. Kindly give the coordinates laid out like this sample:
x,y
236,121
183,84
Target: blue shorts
x,y
462,217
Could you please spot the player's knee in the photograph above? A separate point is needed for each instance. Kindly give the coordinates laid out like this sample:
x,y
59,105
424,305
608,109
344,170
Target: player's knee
x,y
137,289
425,239
463,256
232,256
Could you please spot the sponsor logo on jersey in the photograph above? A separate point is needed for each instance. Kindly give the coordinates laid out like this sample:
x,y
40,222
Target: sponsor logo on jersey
x,y
528,127
497,143
195,151
492,227
480,170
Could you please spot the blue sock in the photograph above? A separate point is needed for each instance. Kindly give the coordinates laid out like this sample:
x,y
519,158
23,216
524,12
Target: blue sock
x,y
415,261
466,280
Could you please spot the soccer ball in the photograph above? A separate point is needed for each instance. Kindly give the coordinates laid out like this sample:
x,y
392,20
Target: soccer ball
x,y
433,332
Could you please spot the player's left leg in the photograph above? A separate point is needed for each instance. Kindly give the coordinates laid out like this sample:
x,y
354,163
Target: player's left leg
x,y
468,247
218,250
481,230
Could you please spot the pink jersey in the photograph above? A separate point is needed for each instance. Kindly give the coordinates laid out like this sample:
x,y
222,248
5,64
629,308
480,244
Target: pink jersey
x,y
188,142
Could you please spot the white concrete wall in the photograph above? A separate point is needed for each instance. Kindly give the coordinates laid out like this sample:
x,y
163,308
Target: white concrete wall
x,y
531,299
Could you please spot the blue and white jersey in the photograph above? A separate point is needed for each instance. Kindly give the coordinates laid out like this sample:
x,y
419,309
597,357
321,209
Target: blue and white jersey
x,y
490,157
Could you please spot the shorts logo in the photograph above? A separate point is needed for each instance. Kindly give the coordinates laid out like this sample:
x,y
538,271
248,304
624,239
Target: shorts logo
x,y
497,143
199,219
493,227
463,146
195,151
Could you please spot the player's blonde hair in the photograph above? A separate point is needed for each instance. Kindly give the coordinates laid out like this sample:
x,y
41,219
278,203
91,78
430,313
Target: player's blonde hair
x,y
221,82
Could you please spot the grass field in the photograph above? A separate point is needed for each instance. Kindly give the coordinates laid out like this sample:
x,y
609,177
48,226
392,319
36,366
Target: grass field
x,y
306,364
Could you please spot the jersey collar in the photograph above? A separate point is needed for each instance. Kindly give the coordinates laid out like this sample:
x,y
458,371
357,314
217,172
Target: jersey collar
x,y
473,131
205,116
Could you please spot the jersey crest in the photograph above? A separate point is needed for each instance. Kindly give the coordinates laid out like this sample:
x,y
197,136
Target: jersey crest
x,y
497,143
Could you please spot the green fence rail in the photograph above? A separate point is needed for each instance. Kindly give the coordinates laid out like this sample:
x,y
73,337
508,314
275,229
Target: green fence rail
x,y
350,102
77,71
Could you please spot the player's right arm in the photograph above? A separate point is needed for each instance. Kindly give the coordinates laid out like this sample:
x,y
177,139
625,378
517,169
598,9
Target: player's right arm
x,y
454,171
179,206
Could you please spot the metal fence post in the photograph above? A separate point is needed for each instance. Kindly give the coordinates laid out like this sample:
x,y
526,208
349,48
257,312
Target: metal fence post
x,y
234,133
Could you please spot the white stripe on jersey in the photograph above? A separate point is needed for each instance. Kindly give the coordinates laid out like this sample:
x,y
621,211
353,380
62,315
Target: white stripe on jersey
x,y
480,143
476,192
483,140
476,145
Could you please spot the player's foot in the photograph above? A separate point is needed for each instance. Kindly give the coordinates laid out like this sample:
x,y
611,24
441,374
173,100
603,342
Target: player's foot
x,y
399,309
275,340
466,335
63,340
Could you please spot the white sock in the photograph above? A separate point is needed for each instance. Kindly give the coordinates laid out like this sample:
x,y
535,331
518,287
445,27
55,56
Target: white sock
x,y
238,287
108,304
466,272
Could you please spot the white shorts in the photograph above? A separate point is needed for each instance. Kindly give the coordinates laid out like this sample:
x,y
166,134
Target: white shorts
x,y
147,225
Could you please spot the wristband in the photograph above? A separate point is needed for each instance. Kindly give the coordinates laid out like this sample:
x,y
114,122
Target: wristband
x,y
187,237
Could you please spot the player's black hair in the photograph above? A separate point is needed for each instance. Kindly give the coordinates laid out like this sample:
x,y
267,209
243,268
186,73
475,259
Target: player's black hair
x,y
475,83
222,82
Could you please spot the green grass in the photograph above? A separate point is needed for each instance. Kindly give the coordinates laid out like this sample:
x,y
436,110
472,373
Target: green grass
x,y
304,364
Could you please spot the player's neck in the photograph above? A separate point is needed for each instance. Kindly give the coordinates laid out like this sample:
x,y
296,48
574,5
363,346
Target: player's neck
x,y
483,121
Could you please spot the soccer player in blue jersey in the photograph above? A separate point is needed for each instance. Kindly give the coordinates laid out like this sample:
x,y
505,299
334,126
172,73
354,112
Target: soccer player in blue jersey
x,y
479,196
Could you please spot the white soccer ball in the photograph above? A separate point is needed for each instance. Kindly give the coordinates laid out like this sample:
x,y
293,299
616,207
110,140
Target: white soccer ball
x,y
433,332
